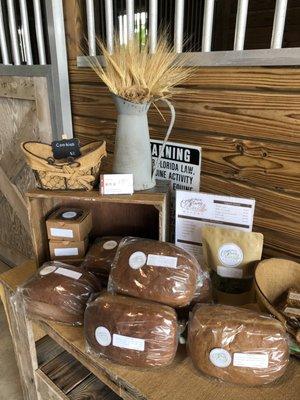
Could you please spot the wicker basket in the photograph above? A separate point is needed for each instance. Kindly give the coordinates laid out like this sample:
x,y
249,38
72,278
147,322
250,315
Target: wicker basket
x,y
272,278
82,174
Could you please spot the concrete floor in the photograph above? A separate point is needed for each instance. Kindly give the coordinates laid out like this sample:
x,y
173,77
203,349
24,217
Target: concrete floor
x,y
10,388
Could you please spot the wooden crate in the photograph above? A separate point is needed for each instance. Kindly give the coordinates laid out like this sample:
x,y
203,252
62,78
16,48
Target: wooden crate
x,y
42,379
144,214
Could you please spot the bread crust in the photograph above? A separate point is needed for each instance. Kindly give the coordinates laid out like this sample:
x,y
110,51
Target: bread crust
x,y
237,330
58,297
174,286
153,323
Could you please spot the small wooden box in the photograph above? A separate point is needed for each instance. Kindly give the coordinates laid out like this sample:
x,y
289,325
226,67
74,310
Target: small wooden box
x,y
72,224
143,214
67,250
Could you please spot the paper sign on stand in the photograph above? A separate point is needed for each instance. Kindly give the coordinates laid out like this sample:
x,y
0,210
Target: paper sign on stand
x,y
194,210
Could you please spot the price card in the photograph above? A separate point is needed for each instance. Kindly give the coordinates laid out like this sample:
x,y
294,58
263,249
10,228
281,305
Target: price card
x,y
116,184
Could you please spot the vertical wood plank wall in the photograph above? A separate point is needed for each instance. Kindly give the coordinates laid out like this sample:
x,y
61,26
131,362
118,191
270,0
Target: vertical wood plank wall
x,y
247,121
25,115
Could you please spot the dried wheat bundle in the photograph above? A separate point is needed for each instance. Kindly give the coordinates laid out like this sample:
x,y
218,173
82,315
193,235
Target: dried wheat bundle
x,y
134,74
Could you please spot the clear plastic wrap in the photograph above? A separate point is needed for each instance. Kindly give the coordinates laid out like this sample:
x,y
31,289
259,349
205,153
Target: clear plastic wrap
x,y
100,255
131,332
237,345
153,270
59,292
203,293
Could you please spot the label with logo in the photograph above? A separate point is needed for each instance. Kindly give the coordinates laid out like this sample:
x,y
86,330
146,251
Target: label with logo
x,y
69,273
103,336
156,260
292,310
294,296
127,342
66,251
69,214
228,272
220,358
230,255
58,232
47,270
137,260
251,360
110,244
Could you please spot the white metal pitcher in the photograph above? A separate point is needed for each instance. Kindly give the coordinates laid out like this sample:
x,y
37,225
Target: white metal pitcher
x,y
132,144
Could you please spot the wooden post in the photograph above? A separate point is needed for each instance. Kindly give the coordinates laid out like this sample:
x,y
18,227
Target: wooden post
x,y
15,199
22,337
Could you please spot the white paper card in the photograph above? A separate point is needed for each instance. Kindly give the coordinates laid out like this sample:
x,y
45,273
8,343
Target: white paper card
x,y
68,273
58,232
66,251
292,310
195,210
227,272
294,296
116,184
127,342
251,360
156,260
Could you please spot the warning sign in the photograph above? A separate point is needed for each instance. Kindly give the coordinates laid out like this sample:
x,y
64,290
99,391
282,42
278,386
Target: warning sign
x,y
181,165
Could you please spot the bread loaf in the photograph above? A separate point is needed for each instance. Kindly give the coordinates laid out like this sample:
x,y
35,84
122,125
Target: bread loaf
x,y
237,345
153,270
59,292
129,331
100,255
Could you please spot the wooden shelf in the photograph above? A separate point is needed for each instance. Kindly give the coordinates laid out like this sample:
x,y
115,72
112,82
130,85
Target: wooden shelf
x,y
176,382
61,376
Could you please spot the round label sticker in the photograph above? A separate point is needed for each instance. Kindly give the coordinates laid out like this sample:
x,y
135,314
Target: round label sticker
x,y
110,244
230,255
47,270
137,260
69,214
220,357
103,336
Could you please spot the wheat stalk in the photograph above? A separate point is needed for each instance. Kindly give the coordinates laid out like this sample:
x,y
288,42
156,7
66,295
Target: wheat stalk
x,y
134,74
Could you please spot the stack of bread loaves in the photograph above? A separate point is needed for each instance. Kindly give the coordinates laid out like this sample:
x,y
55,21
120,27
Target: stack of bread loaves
x,y
135,323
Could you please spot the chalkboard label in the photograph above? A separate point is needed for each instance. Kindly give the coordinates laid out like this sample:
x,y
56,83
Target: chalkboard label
x,y
66,148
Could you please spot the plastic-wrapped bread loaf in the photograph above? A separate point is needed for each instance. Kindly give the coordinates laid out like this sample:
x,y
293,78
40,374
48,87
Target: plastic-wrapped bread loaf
x,y
100,255
237,345
59,292
153,270
131,332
